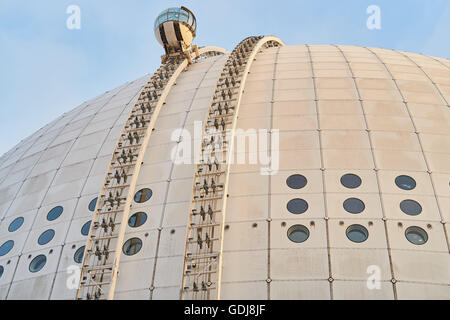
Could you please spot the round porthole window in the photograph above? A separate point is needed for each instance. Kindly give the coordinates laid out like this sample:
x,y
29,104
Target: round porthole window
x,y
357,233
411,207
92,204
296,181
351,181
85,228
354,205
46,237
137,219
132,246
416,235
405,182
6,247
298,233
143,195
16,224
54,213
79,255
1,271
297,206
38,263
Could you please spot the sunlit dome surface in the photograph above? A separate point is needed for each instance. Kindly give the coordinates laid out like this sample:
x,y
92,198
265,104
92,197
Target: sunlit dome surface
x,y
362,187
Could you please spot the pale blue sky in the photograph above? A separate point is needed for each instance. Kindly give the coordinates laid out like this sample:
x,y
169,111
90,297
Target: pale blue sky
x,y
46,69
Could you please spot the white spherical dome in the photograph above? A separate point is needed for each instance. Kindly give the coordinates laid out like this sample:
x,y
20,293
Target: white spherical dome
x,y
362,187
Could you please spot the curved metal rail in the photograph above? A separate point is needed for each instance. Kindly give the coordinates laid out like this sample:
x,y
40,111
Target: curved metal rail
x,y
204,243
103,249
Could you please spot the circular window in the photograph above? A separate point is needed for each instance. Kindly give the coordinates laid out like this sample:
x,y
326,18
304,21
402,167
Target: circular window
x,y
405,182
38,263
296,181
92,204
351,181
298,233
357,233
46,237
143,195
16,224
297,206
354,205
1,271
137,219
411,207
6,247
85,228
416,235
132,246
79,255
54,213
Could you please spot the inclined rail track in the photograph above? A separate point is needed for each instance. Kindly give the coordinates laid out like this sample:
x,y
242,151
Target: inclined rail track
x,y
203,252
101,260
